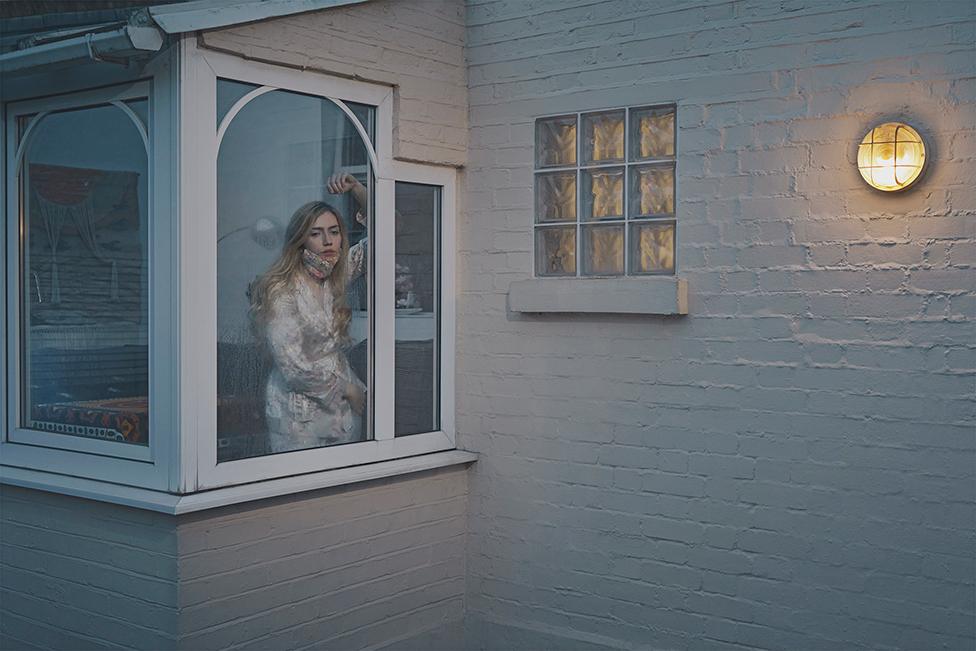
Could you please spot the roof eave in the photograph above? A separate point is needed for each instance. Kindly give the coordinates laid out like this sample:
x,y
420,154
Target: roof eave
x,y
212,14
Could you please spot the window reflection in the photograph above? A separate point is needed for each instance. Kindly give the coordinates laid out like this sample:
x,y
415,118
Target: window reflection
x,y
84,186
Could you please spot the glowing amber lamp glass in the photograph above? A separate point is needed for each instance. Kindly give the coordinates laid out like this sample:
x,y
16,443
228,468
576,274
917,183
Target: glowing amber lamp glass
x,y
891,156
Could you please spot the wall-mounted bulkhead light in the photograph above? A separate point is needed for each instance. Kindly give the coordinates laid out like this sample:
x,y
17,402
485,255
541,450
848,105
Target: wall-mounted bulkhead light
x,y
891,157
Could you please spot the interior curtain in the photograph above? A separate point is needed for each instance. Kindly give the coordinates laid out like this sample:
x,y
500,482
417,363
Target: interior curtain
x,y
82,216
53,216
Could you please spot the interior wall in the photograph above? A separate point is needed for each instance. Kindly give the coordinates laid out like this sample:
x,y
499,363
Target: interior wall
x,y
791,464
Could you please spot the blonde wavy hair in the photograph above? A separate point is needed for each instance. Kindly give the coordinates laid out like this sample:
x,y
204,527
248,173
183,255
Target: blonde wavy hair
x,y
286,270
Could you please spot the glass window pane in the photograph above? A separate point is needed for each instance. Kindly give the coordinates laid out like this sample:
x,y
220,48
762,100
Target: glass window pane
x,y
292,350
555,141
555,197
228,92
555,251
603,194
651,133
365,114
85,271
141,108
417,309
652,247
652,190
603,250
603,137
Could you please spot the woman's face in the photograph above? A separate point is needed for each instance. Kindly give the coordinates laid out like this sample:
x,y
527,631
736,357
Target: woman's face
x,y
325,238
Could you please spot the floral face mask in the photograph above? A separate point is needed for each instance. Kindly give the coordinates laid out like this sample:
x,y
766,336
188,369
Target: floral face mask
x,y
317,266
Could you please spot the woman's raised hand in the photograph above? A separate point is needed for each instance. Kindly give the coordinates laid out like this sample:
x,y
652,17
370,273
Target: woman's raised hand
x,y
341,182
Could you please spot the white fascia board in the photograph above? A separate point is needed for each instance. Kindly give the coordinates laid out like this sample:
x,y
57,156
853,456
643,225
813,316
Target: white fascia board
x,y
210,14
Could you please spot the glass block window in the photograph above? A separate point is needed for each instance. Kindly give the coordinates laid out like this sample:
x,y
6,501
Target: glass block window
x,y
605,192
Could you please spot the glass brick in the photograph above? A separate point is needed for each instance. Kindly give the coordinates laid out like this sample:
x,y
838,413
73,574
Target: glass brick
x,y
555,197
603,250
603,194
651,190
555,251
555,141
651,133
652,248
603,137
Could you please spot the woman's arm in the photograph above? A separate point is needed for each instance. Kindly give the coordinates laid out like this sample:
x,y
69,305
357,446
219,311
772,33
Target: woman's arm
x,y
342,182
357,259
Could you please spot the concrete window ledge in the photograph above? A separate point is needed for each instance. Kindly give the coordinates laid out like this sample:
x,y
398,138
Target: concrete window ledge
x,y
661,295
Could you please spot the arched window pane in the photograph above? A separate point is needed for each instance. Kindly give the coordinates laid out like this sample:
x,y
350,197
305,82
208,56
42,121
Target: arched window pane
x,y
292,363
85,270
228,92
141,108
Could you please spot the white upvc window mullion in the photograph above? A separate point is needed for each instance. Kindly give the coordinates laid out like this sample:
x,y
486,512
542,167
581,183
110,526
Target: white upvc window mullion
x,y
198,267
447,250
382,312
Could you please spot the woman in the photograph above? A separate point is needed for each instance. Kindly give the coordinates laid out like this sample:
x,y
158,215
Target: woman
x,y
313,398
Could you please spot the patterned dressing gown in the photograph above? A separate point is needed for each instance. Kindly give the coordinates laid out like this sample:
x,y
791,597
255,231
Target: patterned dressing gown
x,y
306,405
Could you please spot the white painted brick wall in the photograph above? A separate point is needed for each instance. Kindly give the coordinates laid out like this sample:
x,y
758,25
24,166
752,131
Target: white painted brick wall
x,y
339,569
792,465
417,47
344,568
77,574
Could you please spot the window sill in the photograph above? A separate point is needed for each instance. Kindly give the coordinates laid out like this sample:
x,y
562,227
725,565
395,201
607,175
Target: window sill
x,y
659,295
179,504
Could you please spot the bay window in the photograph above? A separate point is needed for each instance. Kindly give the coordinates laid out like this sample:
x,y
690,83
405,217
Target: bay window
x,y
142,217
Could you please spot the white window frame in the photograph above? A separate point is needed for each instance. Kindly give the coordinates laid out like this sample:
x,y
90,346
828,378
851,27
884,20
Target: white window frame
x,y
198,274
123,463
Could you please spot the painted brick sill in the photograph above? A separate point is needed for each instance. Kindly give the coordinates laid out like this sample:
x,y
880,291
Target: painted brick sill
x,y
660,295
141,498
